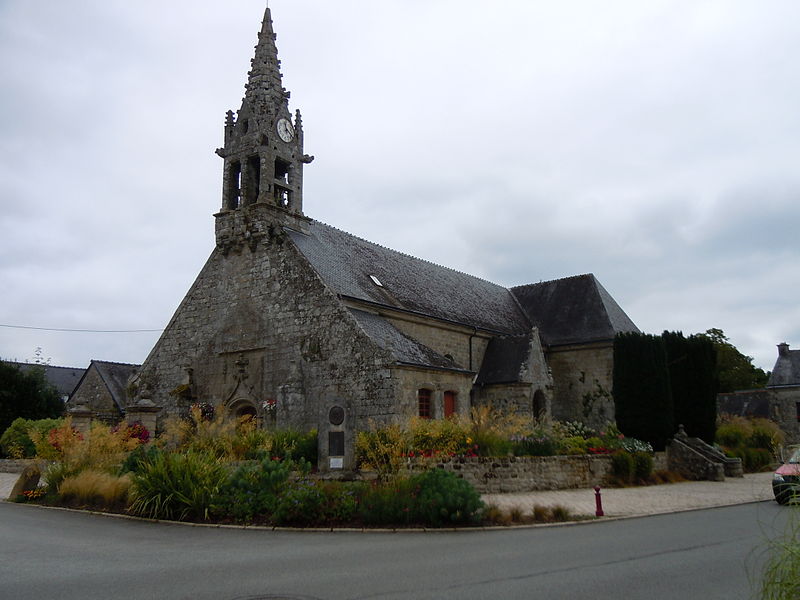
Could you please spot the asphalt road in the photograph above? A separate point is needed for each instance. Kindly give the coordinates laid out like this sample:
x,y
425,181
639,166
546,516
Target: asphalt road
x,y
706,554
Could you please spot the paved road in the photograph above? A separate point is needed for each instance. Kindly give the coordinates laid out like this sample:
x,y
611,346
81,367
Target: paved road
x,y
704,554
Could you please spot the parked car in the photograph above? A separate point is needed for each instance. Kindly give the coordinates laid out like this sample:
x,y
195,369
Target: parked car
x,y
786,480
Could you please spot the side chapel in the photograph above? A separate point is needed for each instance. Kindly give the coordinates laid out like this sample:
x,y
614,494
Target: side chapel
x,y
302,325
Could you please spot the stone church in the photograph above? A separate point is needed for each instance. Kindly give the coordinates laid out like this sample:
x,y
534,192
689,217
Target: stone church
x,y
300,324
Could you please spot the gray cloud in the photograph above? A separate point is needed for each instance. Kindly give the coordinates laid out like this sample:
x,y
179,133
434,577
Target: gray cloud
x,y
650,143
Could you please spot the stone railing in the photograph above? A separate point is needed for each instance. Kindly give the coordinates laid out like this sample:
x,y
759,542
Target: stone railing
x,y
695,459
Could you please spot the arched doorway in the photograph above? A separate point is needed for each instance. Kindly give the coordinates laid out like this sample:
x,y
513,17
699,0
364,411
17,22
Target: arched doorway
x,y
243,410
539,405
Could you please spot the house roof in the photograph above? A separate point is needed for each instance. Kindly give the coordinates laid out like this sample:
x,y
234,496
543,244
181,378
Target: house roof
x,y
402,348
573,310
115,376
504,359
64,379
787,368
350,266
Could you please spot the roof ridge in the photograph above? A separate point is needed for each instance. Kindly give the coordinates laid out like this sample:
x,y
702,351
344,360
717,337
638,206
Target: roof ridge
x,y
527,285
112,362
19,362
423,260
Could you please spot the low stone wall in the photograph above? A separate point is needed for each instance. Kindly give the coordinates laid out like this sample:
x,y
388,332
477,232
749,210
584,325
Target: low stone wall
x,y
11,465
530,473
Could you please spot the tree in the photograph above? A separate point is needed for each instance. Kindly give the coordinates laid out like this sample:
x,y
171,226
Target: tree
x,y
735,371
693,381
26,395
642,396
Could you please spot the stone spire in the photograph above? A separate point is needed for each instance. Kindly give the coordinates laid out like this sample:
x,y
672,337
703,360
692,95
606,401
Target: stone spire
x,y
264,88
262,180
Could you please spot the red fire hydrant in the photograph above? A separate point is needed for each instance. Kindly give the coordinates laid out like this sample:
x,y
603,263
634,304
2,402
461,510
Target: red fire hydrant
x,y
598,502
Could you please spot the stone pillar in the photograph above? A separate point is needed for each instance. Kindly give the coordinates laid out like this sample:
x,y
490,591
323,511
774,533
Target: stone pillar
x,y
82,417
336,439
145,412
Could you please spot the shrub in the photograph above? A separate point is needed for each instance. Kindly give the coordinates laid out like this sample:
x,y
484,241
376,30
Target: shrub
x,y
177,486
541,514
388,503
494,514
766,435
95,488
16,441
734,432
536,444
622,465
560,513
141,455
293,445
642,465
252,490
382,449
308,502
573,445
433,436
444,499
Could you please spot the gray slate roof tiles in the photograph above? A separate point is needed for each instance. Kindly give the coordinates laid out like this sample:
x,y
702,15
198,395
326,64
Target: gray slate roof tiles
x,y
403,348
573,310
566,311
346,263
786,370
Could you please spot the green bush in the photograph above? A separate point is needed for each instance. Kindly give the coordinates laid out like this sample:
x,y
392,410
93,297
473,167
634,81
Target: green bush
x,y
252,490
622,465
177,486
542,444
388,503
445,499
733,434
16,441
573,445
140,456
289,444
642,465
308,502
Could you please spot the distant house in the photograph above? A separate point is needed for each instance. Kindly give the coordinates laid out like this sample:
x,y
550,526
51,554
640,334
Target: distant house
x,y
779,401
102,389
64,379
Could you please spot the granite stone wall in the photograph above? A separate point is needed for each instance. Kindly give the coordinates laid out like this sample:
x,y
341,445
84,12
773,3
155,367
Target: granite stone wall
x,y
582,382
527,474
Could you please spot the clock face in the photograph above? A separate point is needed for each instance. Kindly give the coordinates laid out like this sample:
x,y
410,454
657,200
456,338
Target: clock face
x,y
285,130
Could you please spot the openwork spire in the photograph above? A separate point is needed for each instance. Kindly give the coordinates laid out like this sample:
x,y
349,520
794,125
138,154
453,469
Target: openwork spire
x,y
264,84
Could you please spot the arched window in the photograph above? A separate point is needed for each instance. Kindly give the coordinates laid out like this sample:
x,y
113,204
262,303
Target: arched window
x,y
424,403
450,405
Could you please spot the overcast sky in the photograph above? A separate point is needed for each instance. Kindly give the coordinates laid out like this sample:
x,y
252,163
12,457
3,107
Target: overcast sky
x,y
654,144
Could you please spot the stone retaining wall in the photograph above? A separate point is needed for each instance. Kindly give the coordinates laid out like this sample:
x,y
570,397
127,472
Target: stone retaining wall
x,y
531,473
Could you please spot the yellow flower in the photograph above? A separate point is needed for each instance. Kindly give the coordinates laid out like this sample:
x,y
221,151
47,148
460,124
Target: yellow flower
x,y
469,440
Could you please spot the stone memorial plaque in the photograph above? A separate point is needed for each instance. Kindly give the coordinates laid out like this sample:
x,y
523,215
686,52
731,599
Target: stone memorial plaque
x,y
336,443
336,415
336,462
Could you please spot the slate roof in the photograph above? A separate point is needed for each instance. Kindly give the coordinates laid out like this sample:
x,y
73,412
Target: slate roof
x,y
573,310
403,348
115,376
749,403
786,370
64,379
503,360
346,263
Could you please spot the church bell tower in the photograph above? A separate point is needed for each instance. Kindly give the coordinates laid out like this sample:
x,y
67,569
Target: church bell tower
x,y
263,152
